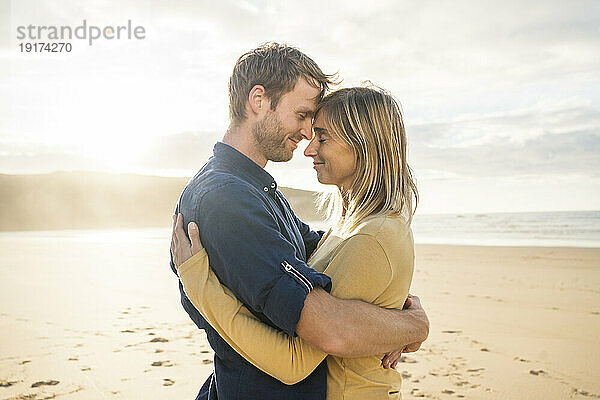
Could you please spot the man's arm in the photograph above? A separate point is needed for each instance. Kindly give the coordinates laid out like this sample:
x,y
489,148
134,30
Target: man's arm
x,y
362,270
252,258
353,328
288,359
250,255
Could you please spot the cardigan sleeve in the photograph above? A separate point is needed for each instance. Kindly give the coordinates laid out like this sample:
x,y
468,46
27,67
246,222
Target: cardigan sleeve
x,y
359,270
288,359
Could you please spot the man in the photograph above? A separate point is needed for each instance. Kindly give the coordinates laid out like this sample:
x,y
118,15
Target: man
x,y
258,248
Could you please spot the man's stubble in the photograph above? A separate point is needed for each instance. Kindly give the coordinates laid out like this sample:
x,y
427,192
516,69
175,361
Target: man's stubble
x,y
271,139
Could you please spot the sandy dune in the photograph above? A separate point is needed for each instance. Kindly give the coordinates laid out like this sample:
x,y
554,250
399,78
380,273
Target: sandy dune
x,y
96,315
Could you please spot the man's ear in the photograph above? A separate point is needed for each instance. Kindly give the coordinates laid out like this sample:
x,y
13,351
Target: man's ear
x,y
257,100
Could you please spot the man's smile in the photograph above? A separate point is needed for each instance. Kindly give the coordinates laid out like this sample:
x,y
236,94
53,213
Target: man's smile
x,y
294,142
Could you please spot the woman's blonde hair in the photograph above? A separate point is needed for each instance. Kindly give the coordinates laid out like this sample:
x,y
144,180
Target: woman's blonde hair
x,y
369,120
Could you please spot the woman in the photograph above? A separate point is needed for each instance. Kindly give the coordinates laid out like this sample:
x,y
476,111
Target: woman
x,y
359,146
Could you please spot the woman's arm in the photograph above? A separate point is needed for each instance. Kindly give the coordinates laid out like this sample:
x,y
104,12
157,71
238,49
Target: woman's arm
x,y
287,359
365,274
365,277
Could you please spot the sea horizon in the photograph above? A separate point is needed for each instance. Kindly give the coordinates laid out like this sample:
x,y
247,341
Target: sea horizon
x,y
510,229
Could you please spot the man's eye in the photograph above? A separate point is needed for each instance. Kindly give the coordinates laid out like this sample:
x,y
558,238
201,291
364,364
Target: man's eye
x,y
302,116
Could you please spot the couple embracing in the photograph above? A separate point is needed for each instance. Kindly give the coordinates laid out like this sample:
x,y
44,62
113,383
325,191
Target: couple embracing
x,y
293,313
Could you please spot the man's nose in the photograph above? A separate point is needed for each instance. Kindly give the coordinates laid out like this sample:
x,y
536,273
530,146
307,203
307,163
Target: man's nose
x,y
306,130
311,149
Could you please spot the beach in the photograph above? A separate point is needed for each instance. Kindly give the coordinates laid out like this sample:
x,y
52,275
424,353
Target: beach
x,y
96,315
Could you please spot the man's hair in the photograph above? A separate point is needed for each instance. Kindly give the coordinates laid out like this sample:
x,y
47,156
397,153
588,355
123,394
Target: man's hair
x,y
369,120
277,68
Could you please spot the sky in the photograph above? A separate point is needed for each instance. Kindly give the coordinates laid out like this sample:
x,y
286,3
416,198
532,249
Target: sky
x,y
501,100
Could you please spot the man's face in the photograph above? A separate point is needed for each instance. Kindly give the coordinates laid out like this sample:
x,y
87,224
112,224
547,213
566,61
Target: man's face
x,y
278,132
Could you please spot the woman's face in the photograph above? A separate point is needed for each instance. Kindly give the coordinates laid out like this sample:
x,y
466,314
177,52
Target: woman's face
x,y
333,159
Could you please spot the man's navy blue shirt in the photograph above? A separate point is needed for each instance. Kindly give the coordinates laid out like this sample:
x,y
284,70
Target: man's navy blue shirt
x,y
258,248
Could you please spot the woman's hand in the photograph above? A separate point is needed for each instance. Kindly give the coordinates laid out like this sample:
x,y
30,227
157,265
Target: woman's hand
x,y
181,248
391,359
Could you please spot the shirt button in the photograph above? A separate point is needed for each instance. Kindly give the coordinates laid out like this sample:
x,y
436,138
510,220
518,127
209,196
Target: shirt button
x,y
273,185
266,189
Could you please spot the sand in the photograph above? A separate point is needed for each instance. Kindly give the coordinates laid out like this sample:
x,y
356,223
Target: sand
x,y
96,315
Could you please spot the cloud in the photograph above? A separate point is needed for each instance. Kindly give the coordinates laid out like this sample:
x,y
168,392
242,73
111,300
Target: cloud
x,y
549,154
547,139
496,90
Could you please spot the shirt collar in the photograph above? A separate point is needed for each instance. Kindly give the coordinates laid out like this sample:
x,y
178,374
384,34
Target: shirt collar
x,y
246,168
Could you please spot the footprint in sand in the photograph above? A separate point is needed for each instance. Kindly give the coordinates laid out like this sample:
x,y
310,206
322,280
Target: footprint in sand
x,y
415,393
45,383
24,362
585,393
127,331
207,361
4,383
537,372
159,340
168,382
595,312
475,371
448,331
404,359
461,383
166,363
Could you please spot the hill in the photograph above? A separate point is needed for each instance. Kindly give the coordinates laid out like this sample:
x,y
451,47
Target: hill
x,y
90,200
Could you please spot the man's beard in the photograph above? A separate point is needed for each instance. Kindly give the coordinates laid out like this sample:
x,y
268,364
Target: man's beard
x,y
271,139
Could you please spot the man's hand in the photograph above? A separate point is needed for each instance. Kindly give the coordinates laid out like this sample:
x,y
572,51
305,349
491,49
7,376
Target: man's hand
x,y
391,359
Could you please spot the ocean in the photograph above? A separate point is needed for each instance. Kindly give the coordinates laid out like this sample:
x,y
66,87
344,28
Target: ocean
x,y
546,229
554,229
